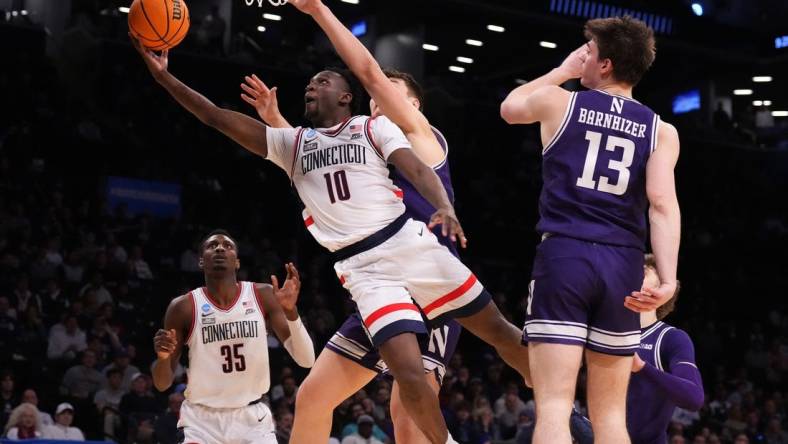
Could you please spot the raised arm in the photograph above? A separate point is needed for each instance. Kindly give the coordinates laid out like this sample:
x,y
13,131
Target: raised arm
x,y
168,342
391,102
542,99
244,130
282,313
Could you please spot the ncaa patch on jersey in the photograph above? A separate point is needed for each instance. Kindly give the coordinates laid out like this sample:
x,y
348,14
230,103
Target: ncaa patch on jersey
x,y
310,134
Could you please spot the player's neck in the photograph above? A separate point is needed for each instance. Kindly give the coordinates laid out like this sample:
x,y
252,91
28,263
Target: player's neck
x,y
329,121
648,318
222,289
618,89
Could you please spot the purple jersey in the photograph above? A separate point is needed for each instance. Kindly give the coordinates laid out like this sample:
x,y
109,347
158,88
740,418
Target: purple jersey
x,y
594,170
669,379
416,206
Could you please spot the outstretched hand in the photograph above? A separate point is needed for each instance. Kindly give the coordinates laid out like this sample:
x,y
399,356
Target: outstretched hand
x,y
157,64
649,298
287,295
450,225
262,98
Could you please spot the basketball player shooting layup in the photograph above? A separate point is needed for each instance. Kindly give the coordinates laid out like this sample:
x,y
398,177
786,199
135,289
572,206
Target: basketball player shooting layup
x,y
385,259
606,158
224,325
351,360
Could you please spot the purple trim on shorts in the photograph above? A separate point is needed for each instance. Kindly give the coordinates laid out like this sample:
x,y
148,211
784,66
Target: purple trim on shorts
x,y
364,362
396,328
469,309
629,351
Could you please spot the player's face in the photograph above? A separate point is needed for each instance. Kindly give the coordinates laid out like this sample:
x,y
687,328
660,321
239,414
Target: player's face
x,y
219,253
590,76
324,94
374,109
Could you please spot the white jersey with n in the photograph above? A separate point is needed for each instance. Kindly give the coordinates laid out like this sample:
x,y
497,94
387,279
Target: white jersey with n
x,y
228,351
341,175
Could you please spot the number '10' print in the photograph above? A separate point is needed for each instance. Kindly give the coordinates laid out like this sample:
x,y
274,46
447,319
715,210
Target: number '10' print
x,y
340,184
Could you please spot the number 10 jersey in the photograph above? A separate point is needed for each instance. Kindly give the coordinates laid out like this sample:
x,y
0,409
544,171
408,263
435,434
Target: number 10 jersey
x,y
341,176
594,170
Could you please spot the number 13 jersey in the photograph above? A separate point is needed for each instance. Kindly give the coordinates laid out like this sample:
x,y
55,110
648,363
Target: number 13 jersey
x,y
594,170
341,176
228,350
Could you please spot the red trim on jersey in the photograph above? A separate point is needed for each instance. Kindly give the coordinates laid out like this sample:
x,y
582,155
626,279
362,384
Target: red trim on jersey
x,y
258,298
309,221
213,302
342,280
383,311
296,149
194,317
399,193
339,128
454,294
368,131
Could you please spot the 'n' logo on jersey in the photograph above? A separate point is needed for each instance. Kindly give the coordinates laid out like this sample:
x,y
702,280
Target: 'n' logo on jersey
x,y
617,105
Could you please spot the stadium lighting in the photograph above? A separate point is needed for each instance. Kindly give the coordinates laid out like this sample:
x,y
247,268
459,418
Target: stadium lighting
x,y
464,59
273,17
428,47
742,92
779,113
473,42
456,68
762,79
123,9
23,12
767,103
757,102
15,13
496,28
261,28
352,2
545,44
520,81
697,9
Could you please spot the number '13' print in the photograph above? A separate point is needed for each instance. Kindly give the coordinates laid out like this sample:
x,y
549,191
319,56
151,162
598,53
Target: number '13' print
x,y
622,166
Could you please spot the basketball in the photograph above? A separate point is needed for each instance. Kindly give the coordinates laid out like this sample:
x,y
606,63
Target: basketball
x,y
159,24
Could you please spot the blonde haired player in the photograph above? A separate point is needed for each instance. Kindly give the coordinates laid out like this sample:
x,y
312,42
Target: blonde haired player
x,y
224,324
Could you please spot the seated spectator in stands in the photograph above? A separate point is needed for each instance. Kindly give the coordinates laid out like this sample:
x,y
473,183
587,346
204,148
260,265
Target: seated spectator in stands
x,y
356,411
83,381
31,340
121,362
8,396
167,424
53,300
62,429
284,426
677,439
107,401
363,433
30,396
6,310
73,269
508,408
24,423
66,340
463,430
96,284
741,438
140,400
23,296
525,426
486,427
137,267
287,395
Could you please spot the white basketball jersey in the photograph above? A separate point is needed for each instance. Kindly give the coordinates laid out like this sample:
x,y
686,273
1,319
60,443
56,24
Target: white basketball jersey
x,y
341,175
228,351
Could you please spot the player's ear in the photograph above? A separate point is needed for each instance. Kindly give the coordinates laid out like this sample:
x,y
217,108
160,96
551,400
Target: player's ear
x,y
607,67
237,264
201,263
345,98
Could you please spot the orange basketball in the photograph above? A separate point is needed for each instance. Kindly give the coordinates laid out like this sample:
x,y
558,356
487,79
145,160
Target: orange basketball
x,y
159,24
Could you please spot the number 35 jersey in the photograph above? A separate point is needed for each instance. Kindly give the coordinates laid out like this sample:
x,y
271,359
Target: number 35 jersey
x,y
594,170
341,175
228,350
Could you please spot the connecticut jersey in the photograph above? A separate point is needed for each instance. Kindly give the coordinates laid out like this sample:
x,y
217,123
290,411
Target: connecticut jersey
x,y
228,351
594,170
341,175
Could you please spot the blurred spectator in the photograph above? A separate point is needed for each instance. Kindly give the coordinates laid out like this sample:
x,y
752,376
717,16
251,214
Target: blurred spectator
x,y
137,266
66,340
96,284
140,400
763,118
8,396
525,426
167,424
83,381
122,363
107,401
31,397
62,429
284,426
363,433
24,423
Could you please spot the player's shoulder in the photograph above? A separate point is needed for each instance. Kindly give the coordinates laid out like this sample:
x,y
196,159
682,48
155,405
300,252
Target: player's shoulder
x,y
667,130
676,337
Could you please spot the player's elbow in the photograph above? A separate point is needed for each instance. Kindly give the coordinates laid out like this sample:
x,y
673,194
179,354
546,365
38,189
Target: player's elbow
x,y
507,112
695,400
663,203
161,385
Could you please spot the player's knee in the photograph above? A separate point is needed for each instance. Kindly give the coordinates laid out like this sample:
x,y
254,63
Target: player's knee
x,y
412,384
308,397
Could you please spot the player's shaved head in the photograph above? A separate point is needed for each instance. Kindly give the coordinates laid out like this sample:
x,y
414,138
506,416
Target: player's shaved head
x,y
216,232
